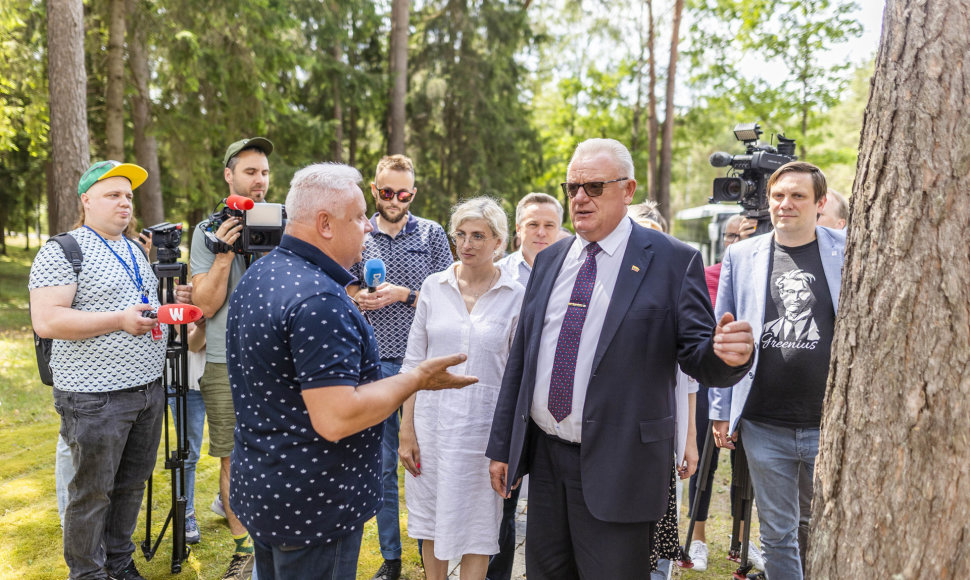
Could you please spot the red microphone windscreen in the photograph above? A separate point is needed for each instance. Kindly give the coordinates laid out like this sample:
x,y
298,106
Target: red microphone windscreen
x,y
239,202
178,313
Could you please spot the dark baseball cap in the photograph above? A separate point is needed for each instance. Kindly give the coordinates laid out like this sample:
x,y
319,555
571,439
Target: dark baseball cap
x,y
261,143
105,169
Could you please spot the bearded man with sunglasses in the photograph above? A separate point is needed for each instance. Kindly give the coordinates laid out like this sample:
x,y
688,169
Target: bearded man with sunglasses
x,y
412,248
587,403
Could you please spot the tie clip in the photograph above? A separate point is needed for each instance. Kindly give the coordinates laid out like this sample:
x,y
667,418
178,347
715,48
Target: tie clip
x,y
577,304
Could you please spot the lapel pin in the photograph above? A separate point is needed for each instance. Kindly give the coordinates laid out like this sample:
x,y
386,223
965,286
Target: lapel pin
x,y
635,268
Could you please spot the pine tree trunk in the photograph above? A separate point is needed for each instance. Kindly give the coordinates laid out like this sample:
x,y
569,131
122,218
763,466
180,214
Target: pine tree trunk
x,y
114,101
400,16
667,148
149,207
892,494
653,125
70,154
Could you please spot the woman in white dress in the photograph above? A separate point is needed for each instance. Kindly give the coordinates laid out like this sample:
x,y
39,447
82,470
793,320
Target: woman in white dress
x,y
472,307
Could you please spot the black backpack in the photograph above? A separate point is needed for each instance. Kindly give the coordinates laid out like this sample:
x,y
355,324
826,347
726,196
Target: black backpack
x,y
42,346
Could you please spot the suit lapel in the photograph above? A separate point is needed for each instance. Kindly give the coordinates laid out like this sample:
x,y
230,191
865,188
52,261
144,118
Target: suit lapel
x,y
832,258
633,270
760,259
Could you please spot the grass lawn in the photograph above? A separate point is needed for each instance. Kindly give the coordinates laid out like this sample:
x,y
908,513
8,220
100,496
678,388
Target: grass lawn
x,y
30,535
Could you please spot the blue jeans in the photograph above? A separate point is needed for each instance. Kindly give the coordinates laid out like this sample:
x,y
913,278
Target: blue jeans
x,y
334,561
195,423
388,518
113,438
775,456
63,474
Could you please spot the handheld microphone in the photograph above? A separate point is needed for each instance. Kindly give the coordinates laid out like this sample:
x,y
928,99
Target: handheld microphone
x,y
239,202
374,273
178,313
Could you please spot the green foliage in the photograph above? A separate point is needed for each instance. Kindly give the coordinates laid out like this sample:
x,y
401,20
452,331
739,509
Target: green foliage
x,y
470,133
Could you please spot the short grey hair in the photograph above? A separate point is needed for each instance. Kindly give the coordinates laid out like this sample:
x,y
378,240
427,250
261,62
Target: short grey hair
x,y
841,202
611,147
481,208
734,219
320,187
536,198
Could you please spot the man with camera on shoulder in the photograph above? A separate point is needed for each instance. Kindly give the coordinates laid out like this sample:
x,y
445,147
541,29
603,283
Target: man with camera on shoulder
x,y
214,276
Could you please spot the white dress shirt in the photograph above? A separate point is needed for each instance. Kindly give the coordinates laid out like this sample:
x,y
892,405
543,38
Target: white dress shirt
x,y
516,265
607,268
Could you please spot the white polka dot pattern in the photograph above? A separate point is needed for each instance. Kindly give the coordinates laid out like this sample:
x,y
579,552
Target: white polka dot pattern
x,y
291,327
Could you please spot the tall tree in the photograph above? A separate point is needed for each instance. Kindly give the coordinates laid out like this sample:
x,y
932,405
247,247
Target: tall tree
x,y
893,495
398,53
115,85
667,136
150,207
70,154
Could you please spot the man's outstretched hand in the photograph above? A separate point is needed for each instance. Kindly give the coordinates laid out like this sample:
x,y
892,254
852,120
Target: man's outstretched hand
x,y
434,373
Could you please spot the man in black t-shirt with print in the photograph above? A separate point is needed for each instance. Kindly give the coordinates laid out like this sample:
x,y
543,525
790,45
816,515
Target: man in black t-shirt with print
x,y
789,283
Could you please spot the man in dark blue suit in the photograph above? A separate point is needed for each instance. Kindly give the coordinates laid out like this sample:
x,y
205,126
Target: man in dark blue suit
x,y
587,401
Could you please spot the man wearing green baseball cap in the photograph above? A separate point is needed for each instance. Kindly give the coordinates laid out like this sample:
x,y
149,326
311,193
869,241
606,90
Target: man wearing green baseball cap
x,y
214,277
107,362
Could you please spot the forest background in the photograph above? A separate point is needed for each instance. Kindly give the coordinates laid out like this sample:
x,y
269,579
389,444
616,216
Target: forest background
x,y
494,97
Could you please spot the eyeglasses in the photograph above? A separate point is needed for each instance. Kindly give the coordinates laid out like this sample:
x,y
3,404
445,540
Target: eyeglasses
x,y
592,188
476,240
387,194
731,237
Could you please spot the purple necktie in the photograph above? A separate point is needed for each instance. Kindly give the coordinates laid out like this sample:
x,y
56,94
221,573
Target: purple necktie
x,y
564,366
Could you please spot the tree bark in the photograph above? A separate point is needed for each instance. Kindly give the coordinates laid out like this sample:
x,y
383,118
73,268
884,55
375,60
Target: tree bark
x,y
400,16
892,494
652,124
150,207
115,87
666,149
338,114
70,154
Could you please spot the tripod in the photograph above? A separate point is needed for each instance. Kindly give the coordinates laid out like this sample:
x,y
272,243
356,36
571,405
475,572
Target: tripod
x,y
176,387
740,511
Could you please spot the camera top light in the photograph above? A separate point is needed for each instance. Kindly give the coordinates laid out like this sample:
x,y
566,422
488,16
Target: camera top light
x,y
747,132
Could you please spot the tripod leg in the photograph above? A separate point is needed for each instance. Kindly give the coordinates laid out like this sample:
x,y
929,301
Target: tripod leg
x,y
702,476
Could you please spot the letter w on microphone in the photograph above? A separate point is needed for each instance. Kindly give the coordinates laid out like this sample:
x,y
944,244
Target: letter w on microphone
x,y
179,313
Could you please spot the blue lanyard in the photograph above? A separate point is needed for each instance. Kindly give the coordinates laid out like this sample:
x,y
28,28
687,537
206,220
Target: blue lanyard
x,y
133,275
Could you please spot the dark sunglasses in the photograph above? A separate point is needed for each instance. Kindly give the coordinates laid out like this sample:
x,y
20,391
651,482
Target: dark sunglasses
x,y
387,194
592,188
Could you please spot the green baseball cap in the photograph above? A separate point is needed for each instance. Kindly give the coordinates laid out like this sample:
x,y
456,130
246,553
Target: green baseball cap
x,y
263,144
105,169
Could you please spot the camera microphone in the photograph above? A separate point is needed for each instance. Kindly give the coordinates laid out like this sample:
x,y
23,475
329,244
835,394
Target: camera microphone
x,y
721,159
178,313
239,202
374,273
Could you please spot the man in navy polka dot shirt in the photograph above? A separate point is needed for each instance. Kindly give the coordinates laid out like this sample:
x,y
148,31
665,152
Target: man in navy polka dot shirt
x,y
305,375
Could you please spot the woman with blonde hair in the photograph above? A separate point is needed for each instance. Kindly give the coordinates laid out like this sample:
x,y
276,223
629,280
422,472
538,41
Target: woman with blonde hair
x,y
471,307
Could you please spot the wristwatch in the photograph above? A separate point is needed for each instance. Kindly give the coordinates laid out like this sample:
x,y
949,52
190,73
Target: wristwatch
x,y
412,296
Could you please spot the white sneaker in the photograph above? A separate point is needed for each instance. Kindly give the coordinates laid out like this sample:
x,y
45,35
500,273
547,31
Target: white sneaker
x,y
755,557
698,555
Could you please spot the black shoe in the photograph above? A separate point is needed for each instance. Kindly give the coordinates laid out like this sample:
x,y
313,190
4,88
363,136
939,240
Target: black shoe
x,y
390,570
757,576
128,573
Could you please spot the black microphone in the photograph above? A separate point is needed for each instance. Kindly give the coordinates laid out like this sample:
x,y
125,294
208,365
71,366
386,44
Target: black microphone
x,y
374,273
721,159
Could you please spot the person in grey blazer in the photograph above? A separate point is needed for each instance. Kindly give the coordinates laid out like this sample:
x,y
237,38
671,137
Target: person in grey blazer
x,y
786,284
